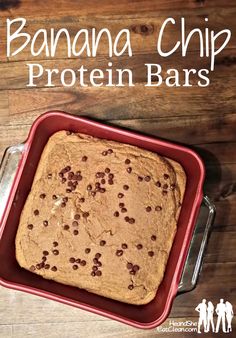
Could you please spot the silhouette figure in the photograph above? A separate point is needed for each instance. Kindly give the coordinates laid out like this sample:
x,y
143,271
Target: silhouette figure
x,y
229,315
220,310
210,321
202,309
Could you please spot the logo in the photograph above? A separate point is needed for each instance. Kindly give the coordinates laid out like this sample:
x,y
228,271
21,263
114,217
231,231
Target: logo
x,y
224,312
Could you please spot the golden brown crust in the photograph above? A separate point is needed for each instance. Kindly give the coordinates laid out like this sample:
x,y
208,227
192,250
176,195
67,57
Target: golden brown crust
x,y
51,215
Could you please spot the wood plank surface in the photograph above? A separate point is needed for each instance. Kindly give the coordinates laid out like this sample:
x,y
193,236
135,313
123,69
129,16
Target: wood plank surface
x,y
203,119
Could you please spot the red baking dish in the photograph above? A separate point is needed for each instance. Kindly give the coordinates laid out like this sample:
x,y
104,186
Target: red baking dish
x,y
13,276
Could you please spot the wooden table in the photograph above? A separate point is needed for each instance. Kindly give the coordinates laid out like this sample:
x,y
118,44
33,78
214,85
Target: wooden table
x,y
202,118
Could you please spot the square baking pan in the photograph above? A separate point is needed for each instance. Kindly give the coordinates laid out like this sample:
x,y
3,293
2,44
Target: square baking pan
x,y
16,176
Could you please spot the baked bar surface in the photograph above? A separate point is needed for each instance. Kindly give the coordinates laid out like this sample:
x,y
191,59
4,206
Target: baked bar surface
x,y
101,216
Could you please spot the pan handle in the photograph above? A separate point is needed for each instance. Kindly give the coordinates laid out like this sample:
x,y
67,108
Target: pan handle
x,y
8,169
193,264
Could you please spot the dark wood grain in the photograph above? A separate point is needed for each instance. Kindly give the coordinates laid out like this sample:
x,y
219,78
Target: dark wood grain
x,y
108,8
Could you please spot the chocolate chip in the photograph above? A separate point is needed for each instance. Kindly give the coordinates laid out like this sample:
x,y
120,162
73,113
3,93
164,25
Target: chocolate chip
x,y
45,253
110,151
166,176
54,197
123,210
60,175
158,208
150,253
120,195
130,287
107,170
63,171
158,184
42,196
93,273
70,175
135,268
116,213
68,168
83,263
129,170
78,260
127,161
98,273
104,153
66,227
93,193
36,212
102,190
75,223
65,199
102,243
68,190
148,209
72,260
89,187
63,204
82,200
38,266
45,223
131,220
44,259
147,178
47,266
55,252
110,182
164,192
95,260
30,226
79,178
54,268
103,181
139,246
75,267
97,185
77,217
121,205
172,186
49,176
94,268
125,187
98,255
63,180
85,214
153,238
70,184
119,253
84,158
98,174
129,266
165,186
55,244
132,272
140,178
99,264
87,250
126,218
111,176
32,268
75,232
124,246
